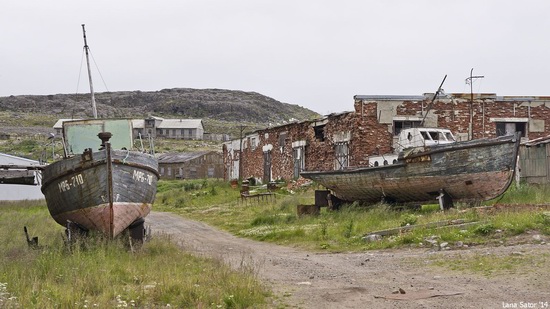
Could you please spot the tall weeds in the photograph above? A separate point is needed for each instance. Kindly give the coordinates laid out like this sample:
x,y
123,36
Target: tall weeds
x,y
100,273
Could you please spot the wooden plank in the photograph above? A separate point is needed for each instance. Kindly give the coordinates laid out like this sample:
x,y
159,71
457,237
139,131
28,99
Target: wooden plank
x,y
437,224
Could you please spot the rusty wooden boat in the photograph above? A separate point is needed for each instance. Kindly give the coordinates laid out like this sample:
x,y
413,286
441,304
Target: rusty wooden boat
x,y
466,171
101,184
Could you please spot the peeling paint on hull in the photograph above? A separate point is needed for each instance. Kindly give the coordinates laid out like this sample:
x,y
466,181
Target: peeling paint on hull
x,y
468,171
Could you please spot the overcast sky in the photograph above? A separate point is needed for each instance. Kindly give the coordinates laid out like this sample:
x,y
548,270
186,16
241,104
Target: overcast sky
x,y
314,53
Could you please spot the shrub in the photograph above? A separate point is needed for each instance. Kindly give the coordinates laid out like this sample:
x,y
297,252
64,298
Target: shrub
x,y
408,219
484,229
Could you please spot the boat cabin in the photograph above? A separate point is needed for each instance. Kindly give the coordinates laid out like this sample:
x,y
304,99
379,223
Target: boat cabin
x,y
423,137
414,137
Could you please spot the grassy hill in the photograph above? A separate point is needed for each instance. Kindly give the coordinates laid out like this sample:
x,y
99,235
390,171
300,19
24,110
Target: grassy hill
x,y
31,117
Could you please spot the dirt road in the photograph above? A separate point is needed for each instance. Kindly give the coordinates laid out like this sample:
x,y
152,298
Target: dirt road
x,y
303,279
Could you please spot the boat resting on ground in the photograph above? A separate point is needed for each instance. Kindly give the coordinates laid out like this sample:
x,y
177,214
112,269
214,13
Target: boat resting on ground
x,y
101,185
469,171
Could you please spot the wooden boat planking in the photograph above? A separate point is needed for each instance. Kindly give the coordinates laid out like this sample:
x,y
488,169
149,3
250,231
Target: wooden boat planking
x,y
466,171
104,191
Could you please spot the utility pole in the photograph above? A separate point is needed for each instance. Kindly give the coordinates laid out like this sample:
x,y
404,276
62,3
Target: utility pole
x,y
470,81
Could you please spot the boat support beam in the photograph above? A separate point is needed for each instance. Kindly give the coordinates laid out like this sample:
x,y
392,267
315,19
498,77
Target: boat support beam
x,y
445,200
32,242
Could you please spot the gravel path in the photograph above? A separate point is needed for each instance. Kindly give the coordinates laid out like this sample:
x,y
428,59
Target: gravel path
x,y
302,279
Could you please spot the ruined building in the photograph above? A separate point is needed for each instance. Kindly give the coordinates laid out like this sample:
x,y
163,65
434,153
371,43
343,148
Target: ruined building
x,y
348,139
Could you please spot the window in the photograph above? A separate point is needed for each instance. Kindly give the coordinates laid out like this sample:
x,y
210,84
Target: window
x,y
509,128
319,132
399,125
282,138
299,162
210,172
341,152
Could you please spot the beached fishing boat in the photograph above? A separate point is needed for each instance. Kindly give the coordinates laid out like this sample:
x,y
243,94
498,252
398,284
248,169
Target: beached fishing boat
x,y
102,183
466,171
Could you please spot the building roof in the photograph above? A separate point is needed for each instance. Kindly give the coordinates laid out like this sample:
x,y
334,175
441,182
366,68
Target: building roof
x,y
59,123
180,124
537,141
390,97
181,157
9,159
138,123
164,123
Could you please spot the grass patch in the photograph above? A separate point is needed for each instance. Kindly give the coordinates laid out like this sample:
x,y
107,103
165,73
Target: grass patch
x,y
276,221
105,274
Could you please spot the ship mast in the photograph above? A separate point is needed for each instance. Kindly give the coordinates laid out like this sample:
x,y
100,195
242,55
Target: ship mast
x,y
89,72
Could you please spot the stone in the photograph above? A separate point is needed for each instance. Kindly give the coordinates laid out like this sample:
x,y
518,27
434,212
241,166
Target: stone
x,y
372,238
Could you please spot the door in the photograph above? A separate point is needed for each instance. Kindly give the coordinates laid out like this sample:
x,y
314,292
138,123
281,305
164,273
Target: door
x,y
267,167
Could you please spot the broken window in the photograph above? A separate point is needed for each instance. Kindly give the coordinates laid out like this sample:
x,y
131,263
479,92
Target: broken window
x,y
282,138
320,133
509,128
253,143
399,125
299,162
341,152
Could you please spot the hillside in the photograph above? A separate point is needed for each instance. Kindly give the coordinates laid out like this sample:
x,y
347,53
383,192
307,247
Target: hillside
x,y
218,107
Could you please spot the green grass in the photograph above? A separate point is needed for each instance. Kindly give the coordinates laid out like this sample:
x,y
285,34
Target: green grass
x,y
524,194
276,221
105,274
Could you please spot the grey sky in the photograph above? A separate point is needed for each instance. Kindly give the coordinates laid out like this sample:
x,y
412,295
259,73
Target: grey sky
x,y
317,54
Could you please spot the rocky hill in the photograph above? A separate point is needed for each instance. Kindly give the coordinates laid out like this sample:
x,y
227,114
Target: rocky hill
x,y
216,104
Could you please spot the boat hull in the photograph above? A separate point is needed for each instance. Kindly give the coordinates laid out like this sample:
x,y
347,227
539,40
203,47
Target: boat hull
x,y
467,171
102,191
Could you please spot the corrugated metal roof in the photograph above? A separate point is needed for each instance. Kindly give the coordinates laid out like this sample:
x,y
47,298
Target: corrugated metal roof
x,y
180,157
180,124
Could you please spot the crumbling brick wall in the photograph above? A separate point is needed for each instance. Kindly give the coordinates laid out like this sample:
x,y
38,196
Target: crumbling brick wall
x,y
369,137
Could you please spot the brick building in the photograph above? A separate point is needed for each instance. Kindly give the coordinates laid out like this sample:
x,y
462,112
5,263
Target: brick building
x,y
348,139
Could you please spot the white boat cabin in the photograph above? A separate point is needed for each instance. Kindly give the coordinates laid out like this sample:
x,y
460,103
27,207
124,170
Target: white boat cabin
x,y
422,137
414,137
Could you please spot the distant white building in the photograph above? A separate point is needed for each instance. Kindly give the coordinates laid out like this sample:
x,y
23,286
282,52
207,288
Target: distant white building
x,y
169,128
192,129
19,192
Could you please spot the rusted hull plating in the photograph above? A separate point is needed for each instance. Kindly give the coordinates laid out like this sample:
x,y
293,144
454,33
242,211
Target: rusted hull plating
x,y
467,171
101,196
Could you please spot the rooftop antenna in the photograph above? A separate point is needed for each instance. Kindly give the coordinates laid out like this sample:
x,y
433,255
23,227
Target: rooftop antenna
x,y
86,48
433,99
470,81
